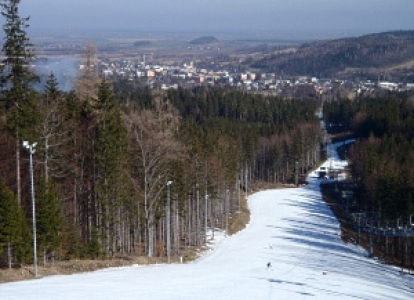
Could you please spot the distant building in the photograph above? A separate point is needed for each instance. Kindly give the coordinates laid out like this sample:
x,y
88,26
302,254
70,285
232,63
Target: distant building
x,y
388,86
150,73
251,76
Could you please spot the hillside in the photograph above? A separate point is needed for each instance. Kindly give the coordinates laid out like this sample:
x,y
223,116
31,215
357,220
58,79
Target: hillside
x,y
389,53
204,40
292,229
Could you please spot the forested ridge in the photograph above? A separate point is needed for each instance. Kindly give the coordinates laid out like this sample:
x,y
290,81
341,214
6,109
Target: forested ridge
x,y
120,169
367,56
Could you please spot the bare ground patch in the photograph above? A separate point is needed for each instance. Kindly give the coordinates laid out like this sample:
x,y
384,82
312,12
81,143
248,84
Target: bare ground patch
x,y
26,272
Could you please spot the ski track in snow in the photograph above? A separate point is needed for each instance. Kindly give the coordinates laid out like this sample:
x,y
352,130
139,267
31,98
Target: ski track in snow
x,y
293,229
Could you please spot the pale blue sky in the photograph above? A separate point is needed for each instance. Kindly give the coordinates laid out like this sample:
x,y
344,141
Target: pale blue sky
x,y
314,17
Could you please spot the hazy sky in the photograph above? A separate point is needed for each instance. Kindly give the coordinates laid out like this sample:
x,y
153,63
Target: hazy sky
x,y
314,17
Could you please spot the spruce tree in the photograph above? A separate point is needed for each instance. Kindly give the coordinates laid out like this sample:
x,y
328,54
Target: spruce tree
x,y
13,228
109,154
110,135
49,219
53,130
52,91
17,79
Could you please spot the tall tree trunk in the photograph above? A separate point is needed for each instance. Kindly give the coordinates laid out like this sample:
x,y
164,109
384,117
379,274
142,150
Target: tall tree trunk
x,y
9,255
177,230
150,236
46,158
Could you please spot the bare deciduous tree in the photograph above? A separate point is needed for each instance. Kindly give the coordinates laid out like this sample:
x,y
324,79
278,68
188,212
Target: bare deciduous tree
x,y
88,81
153,145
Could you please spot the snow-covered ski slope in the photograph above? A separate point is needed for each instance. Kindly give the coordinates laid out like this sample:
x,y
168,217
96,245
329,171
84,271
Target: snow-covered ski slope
x,y
293,229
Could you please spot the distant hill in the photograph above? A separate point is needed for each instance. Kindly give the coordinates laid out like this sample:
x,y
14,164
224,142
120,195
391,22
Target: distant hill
x,y
142,43
204,40
371,55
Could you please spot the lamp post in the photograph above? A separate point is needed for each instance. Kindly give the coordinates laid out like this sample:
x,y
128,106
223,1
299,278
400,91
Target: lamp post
x,y
32,150
227,210
246,183
296,173
168,222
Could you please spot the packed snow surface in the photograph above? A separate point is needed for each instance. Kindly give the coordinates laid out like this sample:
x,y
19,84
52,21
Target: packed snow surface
x,y
292,229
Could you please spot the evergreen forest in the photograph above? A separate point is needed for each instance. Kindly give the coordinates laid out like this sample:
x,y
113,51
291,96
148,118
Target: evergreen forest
x,y
382,164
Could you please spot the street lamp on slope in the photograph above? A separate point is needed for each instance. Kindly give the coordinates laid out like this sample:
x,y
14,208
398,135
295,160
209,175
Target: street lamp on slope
x,y
168,221
32,150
